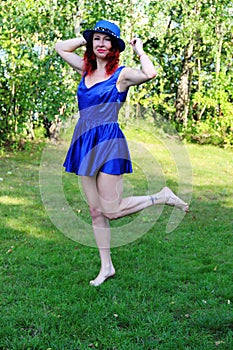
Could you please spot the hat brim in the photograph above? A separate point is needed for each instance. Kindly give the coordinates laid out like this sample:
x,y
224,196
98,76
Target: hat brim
x,y
87,34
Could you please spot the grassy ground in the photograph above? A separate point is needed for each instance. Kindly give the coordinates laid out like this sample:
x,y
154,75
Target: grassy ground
x,y
172,290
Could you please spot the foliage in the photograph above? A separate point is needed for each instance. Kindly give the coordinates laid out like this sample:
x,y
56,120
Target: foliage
x,y
216,127
189,41
31,74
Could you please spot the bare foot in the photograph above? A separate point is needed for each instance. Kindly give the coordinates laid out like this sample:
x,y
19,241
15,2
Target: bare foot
x,y
103,275
166,196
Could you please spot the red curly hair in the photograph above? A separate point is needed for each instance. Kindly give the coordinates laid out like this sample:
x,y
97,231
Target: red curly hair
x,y
90,64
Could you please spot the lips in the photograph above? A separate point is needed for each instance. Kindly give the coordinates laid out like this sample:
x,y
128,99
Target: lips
x,y
101,51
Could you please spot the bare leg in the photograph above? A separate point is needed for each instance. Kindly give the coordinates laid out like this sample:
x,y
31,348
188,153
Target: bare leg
x,y
101,230
102,236
110,188
104,195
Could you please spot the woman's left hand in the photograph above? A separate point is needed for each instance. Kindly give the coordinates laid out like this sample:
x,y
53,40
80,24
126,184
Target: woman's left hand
x,y
137,46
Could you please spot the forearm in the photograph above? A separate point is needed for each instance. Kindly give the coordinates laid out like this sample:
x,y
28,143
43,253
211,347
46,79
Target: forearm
x,y
66,50
69,45
147,67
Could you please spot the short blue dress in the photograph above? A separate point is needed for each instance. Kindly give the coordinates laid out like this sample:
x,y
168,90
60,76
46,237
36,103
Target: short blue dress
x,y
98,143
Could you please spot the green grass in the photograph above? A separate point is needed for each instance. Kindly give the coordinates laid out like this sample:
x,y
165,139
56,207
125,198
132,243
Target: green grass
x,y
172,290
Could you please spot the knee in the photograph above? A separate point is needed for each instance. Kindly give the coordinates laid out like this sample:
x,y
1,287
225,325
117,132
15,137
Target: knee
x,y
112,212
96,215
110,215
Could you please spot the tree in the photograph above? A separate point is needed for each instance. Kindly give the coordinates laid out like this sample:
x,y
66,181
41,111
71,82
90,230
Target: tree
x,y
190,41
31,74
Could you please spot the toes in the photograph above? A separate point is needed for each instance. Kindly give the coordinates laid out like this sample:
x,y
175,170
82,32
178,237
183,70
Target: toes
x,y
94,283
101,279
176,202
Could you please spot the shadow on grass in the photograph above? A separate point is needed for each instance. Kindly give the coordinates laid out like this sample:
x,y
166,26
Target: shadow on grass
x,y
171,290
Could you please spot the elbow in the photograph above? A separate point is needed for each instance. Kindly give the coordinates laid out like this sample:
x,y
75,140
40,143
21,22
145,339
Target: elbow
x,y
152,74
57,46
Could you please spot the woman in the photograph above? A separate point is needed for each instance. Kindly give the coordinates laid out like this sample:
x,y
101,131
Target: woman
x,y
98,151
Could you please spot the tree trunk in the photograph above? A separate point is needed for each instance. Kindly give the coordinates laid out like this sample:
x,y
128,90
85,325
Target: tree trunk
x,y
219,33
183,90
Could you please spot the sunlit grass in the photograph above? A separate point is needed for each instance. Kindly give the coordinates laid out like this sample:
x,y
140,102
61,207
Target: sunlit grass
x,y
171,290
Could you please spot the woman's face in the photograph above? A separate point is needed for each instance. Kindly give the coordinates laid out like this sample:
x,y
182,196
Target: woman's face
x,y
101,45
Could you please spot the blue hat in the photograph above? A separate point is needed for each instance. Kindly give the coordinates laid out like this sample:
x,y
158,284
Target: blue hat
x,y
108,28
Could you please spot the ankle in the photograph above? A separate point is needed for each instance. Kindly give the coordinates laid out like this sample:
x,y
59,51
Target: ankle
x,y
153,199
107,268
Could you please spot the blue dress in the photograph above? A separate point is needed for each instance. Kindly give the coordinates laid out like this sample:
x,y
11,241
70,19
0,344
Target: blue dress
x,y
98,144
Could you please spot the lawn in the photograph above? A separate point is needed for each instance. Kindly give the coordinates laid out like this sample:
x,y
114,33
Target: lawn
x,y
173,284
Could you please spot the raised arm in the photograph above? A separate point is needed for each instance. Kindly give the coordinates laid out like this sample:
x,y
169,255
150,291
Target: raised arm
x,y
66,50
132,76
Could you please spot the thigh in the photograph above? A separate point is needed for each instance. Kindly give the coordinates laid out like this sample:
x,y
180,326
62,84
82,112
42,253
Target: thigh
x,y
91,192
110,189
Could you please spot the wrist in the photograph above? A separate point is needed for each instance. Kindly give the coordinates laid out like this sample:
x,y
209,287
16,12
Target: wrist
x,y
141,54
83,43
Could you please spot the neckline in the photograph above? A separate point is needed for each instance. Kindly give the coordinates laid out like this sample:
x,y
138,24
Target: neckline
x,y
99,82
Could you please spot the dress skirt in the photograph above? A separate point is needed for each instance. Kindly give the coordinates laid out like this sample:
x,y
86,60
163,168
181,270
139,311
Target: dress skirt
x,y
98,147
